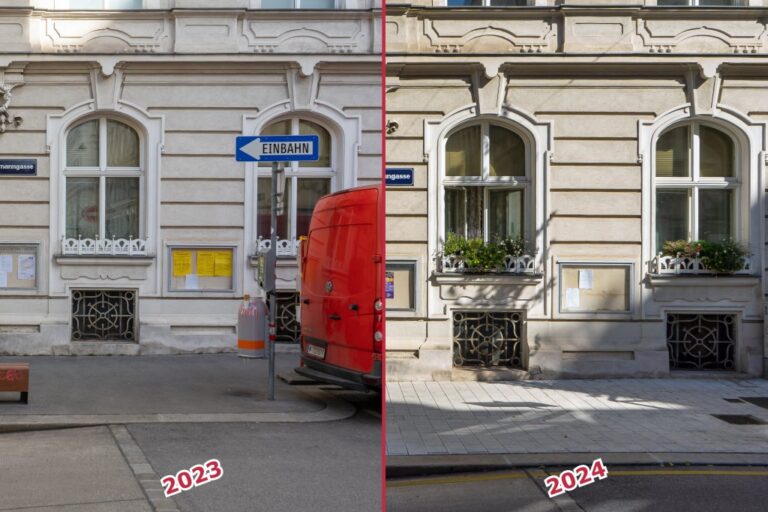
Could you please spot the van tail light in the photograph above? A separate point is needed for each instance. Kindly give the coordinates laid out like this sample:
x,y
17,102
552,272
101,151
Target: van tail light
x,y
378,325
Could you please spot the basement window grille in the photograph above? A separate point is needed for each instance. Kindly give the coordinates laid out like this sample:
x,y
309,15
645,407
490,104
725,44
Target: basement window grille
x,y
104,315
288,327
701,342
487,339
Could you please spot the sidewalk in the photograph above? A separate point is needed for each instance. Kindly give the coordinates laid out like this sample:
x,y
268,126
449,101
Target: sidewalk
x,y
100,390
77,470
532,422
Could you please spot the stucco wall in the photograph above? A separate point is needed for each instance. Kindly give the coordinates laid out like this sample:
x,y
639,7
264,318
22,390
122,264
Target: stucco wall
x,y
196,100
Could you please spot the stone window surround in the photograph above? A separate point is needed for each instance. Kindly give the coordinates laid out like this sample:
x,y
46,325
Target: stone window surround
x,y
150,129
539,138
106,171
750,147
346,137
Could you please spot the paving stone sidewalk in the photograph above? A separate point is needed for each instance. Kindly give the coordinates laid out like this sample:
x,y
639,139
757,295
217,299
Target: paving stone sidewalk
x,y
574,416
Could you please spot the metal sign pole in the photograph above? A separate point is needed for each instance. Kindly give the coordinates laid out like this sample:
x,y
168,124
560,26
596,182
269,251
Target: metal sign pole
x,y
271,291
275,149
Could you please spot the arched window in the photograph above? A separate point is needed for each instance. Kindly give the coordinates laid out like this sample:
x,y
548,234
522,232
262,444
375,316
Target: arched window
x,y
486,182
103,177
697,185
305,182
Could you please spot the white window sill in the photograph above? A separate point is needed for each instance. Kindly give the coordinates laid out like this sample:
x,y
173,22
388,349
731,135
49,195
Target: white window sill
x,y
90,259
487,279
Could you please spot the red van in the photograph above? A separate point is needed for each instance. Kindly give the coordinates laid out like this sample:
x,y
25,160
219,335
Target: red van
x,y
342,278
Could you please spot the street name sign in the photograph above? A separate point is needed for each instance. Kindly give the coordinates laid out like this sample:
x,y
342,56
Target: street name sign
x,y
277,148
18,167
399,177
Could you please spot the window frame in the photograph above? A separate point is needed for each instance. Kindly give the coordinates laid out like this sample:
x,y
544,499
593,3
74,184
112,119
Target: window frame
x,y
696,183
294,172
104,171
523,182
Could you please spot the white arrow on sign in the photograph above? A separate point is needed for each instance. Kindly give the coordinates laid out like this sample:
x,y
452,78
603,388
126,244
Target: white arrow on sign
x,y
253,148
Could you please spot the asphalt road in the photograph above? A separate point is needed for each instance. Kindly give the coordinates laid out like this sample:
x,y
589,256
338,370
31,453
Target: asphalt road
x,y
318,467
627,489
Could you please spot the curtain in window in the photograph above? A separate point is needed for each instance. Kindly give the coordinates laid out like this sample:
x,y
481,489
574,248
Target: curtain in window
x,y
83,145
716,153
507,153
122,145
264,209
462,153
715,215
672,154
82,208
475,212
308,191
455,207
672,223
505,214
122,208
324,150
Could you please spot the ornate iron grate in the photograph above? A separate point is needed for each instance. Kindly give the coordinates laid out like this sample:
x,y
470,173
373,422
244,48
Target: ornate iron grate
x,y
288,328
487,339
701,342
104,315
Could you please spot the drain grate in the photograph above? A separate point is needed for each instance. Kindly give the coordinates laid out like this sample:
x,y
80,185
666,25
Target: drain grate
x,y
739,419
760,401
734,400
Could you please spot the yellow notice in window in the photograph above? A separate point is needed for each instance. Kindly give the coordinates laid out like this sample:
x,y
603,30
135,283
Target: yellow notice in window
x,y
223,263
206,263
182,263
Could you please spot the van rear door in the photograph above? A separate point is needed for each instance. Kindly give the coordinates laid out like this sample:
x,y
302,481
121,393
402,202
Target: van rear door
x,y
340,278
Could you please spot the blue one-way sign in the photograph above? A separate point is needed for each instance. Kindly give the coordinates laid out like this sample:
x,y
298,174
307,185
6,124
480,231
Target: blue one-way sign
x,y
277,148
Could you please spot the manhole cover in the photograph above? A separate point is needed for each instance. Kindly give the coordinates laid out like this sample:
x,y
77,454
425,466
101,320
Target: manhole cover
x,y
739,419
734,400
760,401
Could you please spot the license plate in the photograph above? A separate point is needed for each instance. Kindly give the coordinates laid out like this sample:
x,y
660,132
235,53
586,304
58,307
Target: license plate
x,y
316,351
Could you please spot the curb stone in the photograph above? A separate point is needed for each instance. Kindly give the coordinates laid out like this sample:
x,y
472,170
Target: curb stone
x,y
403,466
334,410
142,470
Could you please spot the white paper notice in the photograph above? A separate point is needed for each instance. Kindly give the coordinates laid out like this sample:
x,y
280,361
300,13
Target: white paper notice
x,y
191,282
585,279
26,267
3,279
6,263
571,297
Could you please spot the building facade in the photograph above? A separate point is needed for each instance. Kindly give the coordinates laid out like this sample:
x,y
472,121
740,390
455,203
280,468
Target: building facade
x,y
568,157
127,226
